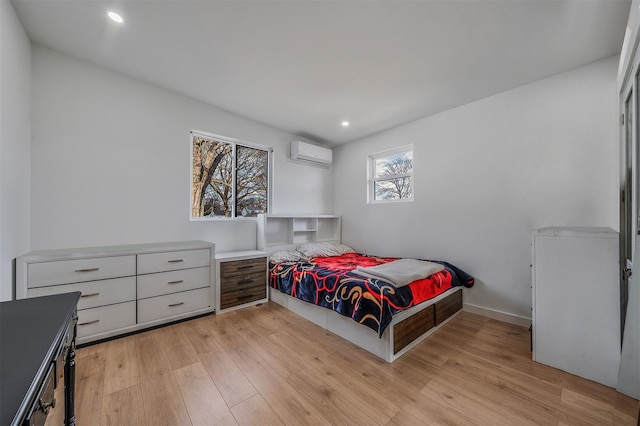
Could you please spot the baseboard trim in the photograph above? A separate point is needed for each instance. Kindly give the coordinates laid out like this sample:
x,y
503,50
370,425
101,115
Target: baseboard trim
x,y
497,315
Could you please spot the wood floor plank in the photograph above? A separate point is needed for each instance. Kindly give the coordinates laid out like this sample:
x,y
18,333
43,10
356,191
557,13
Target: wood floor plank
x,y
202,335
247,359
150,356
204,402
432,413
227,333
501,393
283,399
89,384
120,407
332,402
279,358
404,418
541,391
360,393
592,412
162,402
177,347
255,410
266,365
373,373
470,406
121,365
231,382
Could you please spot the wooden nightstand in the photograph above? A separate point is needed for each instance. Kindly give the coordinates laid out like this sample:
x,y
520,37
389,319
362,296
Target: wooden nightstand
x,y
241,279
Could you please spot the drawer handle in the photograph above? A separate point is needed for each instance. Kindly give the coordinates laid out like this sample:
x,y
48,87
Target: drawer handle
x,y
89,295
245,281
176,304
88,270
175,260
244,267
246,296
89,322
175,282
46,406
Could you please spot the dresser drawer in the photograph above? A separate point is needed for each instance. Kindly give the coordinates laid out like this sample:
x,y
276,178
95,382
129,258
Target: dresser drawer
x,y
73,271
151,285
106,318
173,260
242,267
169,305
94,293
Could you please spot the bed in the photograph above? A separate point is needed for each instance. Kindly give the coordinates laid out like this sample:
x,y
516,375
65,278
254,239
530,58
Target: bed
x,y
340,290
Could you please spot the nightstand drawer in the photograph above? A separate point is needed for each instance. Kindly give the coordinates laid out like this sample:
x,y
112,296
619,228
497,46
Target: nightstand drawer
x,y
74,271
242,296
169,305
239,282
242,267
171,261
106,318
151,285
94,293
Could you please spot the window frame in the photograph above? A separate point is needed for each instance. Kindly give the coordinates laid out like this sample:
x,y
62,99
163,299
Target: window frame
x,y
234,143
372,179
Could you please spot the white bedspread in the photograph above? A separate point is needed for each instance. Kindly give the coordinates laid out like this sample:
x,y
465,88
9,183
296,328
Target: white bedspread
x,y
400,272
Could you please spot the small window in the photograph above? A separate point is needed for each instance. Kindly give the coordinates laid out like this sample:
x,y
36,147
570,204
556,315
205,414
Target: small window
x,y
391,175
230,178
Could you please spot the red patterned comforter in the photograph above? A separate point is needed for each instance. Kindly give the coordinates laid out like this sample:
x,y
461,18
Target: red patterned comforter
x,y
329,282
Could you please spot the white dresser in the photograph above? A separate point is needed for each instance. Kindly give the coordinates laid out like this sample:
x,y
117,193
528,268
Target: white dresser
x,y
124,288
576,301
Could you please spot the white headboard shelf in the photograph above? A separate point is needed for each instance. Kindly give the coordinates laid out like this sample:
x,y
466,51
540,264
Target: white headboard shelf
x,y
284,232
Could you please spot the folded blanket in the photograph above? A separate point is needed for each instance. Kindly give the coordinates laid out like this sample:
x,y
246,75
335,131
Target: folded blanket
x,y
401,272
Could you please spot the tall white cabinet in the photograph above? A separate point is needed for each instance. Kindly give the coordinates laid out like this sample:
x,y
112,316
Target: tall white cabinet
x,y
576,301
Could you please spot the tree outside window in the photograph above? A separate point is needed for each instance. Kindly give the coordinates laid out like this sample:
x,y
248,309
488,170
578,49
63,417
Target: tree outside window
x,y
391,175
229,179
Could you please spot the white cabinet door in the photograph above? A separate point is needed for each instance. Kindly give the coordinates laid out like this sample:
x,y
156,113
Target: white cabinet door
x,y
576,309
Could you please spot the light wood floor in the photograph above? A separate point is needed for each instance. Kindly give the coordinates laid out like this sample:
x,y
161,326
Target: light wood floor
x,y
267,366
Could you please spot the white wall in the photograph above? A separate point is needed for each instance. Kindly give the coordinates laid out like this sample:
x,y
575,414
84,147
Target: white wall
x,y
488,173
15,136
111,161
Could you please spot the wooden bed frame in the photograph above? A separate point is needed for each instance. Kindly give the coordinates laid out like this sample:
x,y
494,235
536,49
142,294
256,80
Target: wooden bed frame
x,y
407,328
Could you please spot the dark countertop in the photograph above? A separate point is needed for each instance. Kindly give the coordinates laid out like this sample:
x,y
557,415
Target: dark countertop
x,y
30,332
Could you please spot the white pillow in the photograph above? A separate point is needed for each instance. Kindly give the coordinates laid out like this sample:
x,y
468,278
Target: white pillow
x,y
287,256
323,249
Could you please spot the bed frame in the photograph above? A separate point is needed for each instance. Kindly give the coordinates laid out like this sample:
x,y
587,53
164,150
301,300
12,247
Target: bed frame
x,y
408,327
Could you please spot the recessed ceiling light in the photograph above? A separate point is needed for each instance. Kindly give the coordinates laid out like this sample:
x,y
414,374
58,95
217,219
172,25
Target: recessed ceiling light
x,y
115,17
345,124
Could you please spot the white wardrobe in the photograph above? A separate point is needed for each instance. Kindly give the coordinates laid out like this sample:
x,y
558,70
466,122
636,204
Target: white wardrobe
x,y
576,301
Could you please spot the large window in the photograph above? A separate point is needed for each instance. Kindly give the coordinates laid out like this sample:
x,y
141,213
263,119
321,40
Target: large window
x,y
391,175
230,178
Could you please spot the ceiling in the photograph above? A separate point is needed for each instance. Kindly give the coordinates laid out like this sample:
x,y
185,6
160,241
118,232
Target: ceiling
x,y
305,66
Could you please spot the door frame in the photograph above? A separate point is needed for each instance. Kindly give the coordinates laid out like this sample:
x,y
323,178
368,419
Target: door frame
x,y
628,106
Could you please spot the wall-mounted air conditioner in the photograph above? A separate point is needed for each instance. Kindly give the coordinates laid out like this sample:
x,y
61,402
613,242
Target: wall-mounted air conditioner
x,y
315,154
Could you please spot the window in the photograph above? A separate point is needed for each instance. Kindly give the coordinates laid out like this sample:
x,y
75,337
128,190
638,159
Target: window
x,y
391,175
230,178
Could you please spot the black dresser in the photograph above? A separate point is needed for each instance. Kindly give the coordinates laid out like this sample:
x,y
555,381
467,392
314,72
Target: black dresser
x,y
37,348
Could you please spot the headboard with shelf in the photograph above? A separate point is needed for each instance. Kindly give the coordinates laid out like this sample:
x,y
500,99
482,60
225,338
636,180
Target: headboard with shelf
x,y
285,232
